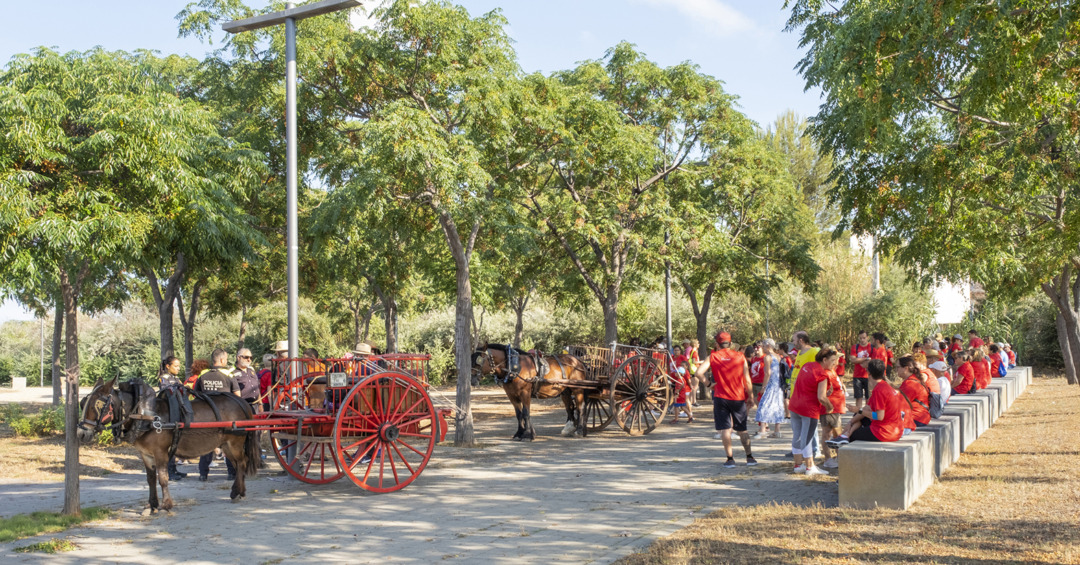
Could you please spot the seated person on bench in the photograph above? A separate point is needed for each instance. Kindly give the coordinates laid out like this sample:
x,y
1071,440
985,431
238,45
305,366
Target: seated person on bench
x,y
880,419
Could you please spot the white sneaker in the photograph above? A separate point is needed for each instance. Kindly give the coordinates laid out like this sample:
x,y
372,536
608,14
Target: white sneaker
x,y
816,471
800,469
718,435
831,464
760,435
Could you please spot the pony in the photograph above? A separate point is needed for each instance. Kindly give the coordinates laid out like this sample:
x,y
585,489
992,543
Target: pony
x,y
128,409
523,383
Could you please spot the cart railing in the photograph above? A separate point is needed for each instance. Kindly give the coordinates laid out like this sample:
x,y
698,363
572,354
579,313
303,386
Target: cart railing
x,y
601,362
301,383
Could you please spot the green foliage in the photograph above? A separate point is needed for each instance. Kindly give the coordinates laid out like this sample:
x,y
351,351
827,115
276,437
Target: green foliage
x,y
955,129
28,525
47,422
51,546
1028,324
104,439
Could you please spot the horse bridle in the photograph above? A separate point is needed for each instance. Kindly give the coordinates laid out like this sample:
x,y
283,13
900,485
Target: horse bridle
x,y
106,413
486,356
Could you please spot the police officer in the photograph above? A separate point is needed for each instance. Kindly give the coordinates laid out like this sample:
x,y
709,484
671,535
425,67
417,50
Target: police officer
x,y
169,377
218,379
248,380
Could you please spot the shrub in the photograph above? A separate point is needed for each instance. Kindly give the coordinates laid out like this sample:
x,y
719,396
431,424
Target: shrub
x,y
49,421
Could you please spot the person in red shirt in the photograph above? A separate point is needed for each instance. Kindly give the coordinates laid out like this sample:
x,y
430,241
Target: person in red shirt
x,y
964,381
995,361
1011,354
757,368
982,369
732,395
830,423
974,341
809,400
957,343
859,356
841,363
883,412
916,389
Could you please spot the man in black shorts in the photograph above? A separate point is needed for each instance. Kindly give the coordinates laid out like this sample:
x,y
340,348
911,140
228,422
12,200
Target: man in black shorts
x,y
732,395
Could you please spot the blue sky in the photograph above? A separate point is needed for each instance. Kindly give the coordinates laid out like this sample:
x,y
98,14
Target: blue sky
x,y
741,42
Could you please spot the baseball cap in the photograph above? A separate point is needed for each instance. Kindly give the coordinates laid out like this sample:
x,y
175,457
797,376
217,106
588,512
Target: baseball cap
x,y
958,336
723,337
939,366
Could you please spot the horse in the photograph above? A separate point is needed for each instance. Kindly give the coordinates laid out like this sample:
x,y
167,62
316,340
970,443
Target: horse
x,y
522,384
128,410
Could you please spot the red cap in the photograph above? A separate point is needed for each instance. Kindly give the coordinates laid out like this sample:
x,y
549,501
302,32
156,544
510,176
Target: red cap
x,y
723,337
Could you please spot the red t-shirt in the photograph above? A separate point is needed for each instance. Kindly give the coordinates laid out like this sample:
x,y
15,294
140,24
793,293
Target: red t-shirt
x,y
955,347
840,365
757,370
995,364
678,361
931,381
836,393
885,397
881,353
976,343
727,369
860,352
917,394
1012,357
967,370
982,374
804,401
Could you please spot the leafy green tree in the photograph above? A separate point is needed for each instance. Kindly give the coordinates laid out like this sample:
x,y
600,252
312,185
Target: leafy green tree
x,y
94,148
810,168
736,213
628,127
954,126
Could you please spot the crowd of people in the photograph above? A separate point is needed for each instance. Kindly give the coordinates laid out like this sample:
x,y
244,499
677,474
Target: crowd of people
x,y
802,383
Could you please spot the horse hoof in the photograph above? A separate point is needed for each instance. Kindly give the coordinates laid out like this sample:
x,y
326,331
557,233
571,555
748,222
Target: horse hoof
x,y
149,511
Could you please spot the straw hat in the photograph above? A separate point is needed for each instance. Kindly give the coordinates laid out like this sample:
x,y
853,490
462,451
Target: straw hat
x,y
362,349
281,346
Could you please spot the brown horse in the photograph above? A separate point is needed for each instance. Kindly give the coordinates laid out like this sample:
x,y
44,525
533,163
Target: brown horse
x,y
127,409
523,384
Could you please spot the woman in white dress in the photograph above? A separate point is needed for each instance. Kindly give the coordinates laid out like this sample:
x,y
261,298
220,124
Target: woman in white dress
x,y
771,406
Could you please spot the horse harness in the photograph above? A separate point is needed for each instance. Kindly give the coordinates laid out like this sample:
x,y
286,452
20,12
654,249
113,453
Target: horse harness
x,y
513,369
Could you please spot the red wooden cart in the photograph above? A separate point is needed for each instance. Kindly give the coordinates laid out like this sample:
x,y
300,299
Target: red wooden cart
x,y
625,384
369,419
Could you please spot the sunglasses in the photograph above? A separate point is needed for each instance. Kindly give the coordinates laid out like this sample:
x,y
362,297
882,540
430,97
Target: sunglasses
x,y
244,357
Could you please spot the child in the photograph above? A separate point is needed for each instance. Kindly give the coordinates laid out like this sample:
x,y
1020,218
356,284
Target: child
x,y
682,387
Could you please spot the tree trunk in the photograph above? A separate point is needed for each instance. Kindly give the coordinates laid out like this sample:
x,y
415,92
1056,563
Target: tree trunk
x,y
701,311
69,290
1058,290
165,300
610,306
367,323
464,435
188,321
519,323
1066,350
390,310
243,328
57,365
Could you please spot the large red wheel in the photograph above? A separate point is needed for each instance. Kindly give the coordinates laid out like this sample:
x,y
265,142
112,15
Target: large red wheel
x,y
307,457
386,431
639,395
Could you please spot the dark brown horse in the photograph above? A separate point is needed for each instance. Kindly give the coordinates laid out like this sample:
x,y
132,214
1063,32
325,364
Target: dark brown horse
x,y
124,408
522,384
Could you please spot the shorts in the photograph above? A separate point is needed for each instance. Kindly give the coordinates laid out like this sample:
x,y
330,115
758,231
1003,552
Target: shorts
x,y
729,414
862,388
829,421
758,387
863,433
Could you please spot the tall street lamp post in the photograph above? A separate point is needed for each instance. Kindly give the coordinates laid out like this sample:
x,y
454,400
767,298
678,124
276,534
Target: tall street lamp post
x,y
289,16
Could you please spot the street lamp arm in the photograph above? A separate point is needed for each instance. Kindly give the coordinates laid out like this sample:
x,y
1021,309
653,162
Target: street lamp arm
x,y
298,13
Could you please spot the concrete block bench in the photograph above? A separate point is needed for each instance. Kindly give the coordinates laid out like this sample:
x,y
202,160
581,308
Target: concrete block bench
x,y
1003,394
945,434
967,415
981,402
995,403
889,475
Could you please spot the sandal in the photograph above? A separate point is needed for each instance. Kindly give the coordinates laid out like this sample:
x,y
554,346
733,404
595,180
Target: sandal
x,y
690,420
675,421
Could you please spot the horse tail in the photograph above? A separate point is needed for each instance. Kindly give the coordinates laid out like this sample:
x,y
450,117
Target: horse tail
x,y
251,449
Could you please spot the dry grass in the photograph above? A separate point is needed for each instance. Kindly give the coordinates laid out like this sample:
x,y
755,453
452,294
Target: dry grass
x,y
42,458
1013,497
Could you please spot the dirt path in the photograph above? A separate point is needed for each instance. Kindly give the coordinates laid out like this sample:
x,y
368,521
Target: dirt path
x,y
571,500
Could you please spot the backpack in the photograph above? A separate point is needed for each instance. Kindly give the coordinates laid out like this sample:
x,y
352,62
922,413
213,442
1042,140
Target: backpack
x,y
1002,370
936,405
785,376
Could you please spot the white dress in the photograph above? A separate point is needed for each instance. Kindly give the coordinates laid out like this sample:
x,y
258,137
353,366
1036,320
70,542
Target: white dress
x,y
771,407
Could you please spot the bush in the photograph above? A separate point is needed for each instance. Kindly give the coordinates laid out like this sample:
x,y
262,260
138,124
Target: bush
x,y
49,421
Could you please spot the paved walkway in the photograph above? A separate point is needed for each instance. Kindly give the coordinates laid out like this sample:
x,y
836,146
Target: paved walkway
x,y
587,500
